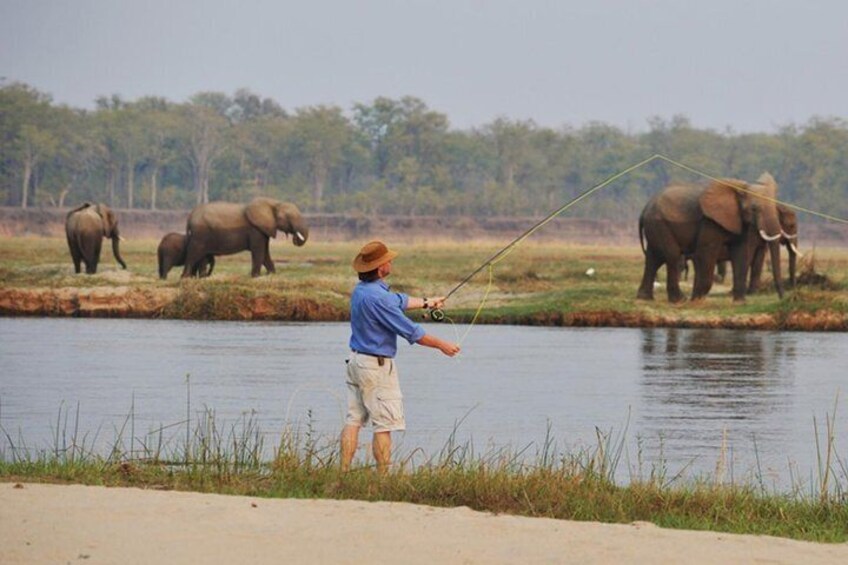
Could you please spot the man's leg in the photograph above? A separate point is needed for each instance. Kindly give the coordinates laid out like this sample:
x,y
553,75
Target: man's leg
x,y
382,448
350,439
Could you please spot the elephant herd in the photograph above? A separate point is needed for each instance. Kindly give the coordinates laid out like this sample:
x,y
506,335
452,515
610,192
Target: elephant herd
x,y
217,228
729,220
726,221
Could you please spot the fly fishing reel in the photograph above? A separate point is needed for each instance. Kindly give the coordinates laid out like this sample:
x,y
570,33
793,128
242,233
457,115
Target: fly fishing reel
x,y
437,314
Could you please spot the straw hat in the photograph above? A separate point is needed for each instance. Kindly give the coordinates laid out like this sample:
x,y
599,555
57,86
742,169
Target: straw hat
x,y
371,256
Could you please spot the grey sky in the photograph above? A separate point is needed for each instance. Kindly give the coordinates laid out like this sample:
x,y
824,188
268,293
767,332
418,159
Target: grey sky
x,y
751,65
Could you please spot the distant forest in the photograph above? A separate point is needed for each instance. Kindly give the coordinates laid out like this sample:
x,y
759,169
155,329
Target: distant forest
x,y
387,156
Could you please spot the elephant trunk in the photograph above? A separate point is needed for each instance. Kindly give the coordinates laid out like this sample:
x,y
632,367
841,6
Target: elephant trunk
x,y
793,259
299,238
774,250
116,251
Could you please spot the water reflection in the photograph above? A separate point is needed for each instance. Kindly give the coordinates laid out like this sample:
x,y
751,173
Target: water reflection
x,y
703,387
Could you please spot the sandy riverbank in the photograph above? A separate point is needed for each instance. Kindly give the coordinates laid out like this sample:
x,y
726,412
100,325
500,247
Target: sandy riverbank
x,y
70,524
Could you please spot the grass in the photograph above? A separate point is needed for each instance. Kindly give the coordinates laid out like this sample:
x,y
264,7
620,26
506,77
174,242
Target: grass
x,y
538,283
227,459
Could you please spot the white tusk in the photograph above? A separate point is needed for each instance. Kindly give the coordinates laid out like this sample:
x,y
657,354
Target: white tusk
x,y
795,250
787,236
121,238
300,236
768,237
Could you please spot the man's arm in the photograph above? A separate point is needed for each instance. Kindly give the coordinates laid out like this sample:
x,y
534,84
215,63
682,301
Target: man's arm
x,y
414,303
446,347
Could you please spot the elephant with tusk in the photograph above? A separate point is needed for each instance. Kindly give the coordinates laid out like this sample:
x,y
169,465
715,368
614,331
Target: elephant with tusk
x,y
85,228
728,218
223,228
788,237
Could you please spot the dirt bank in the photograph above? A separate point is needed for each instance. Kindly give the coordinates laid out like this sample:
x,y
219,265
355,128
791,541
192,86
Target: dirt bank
x,y
129,302
64,524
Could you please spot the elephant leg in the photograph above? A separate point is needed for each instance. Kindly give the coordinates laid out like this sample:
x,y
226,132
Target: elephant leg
x,y
257,257
165,267
206,265
269,263
739,262
164,264
195,253
705,264
652,265
672,279
93,256
756,269
76,257
721,271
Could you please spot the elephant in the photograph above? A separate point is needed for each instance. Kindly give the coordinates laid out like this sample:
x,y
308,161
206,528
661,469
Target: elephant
x,y
85,228
172,253
727,217
223,228
789,238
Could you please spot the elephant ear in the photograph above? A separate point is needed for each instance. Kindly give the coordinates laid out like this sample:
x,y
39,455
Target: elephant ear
x,y
260,213
107,217
721,202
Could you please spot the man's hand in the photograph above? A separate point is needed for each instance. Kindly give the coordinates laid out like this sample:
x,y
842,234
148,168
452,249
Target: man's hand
x,y
448,348
436,303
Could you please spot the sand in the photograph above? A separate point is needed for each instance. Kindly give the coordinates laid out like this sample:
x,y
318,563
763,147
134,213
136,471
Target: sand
x,y
80,524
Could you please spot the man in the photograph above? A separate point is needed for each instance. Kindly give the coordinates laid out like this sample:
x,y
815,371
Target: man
x,y
376,319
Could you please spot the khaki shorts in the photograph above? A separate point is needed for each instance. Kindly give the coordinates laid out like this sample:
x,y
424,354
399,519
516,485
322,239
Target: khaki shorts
x,y
374,394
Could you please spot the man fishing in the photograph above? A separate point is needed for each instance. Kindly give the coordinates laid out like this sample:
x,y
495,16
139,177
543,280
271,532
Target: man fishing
x,y
376,319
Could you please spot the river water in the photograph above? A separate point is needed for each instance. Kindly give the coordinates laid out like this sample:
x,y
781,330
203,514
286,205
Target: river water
x,y
739,405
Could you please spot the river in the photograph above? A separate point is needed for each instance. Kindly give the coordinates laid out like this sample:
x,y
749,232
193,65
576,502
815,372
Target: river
x,y
737,405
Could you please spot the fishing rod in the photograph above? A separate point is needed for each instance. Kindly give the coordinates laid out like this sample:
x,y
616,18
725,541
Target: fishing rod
x,y
437,314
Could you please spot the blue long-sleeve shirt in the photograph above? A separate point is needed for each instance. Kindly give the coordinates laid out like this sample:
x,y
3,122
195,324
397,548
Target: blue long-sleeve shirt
x,y
377,318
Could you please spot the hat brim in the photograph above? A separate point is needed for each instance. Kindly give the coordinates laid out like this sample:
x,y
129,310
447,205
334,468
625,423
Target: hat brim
x,y
362,266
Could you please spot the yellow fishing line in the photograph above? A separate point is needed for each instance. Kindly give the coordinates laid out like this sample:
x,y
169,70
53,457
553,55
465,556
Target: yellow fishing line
x,y
500,256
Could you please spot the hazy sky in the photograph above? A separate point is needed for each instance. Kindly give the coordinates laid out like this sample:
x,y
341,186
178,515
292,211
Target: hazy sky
x,y
751,65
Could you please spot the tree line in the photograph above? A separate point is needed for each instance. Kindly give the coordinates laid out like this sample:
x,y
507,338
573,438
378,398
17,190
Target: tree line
x,y
387,156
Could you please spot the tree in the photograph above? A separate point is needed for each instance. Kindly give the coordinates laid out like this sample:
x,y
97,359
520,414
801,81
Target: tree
x,y
511,140
203,138
321,133
27,137
157,133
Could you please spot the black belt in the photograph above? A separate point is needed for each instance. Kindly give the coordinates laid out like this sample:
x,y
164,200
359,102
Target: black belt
x,y
381,359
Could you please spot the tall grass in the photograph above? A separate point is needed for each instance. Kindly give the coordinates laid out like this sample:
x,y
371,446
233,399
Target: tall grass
x,y
204,454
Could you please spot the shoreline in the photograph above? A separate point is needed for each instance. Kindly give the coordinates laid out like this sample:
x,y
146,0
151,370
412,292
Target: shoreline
x,y
135,302
46,523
